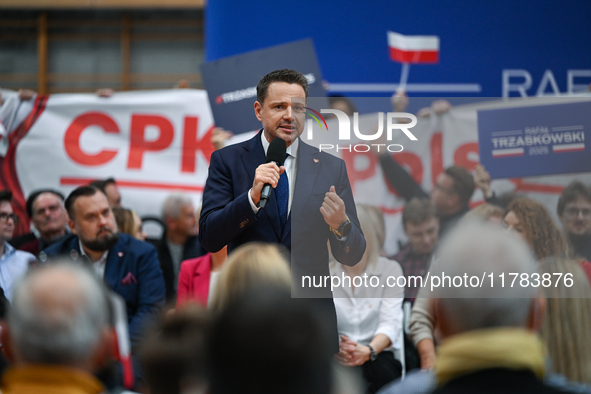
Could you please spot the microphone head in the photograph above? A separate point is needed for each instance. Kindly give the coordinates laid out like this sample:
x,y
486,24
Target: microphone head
x,y
276,151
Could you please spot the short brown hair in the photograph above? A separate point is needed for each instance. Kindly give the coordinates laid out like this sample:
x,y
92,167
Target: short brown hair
x,y
463,183
283,75
418,211
82,191
570,193
174,350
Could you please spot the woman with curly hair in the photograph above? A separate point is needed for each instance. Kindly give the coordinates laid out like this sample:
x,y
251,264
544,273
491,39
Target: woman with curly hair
x,y
532,221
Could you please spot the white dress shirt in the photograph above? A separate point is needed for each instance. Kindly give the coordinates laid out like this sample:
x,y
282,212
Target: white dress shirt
x,y
99,265
290,169
13,265
364,312
213,281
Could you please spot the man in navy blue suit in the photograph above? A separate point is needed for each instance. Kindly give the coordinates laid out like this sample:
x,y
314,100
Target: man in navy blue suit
x,y
312,202
128,266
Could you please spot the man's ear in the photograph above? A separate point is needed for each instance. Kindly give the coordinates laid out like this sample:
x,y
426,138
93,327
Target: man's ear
x,y
537,313
5,340
72,226
258,107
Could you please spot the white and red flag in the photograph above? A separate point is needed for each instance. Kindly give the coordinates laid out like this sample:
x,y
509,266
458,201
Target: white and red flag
x,y
413,49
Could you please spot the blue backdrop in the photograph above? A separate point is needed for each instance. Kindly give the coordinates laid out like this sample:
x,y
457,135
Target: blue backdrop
x,y
478,40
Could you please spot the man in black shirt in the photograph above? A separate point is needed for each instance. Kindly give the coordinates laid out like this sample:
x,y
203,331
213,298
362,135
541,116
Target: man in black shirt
x,y
450,195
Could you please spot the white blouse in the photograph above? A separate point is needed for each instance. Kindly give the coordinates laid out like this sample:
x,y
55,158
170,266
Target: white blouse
x,y
363,312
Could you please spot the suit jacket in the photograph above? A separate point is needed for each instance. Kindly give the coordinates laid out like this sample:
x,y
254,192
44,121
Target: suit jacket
x,y
191,249
228,219
30,243
194,280
132,271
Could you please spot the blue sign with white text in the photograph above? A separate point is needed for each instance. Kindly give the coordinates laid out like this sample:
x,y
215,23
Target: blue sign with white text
x,y
538,140
503,48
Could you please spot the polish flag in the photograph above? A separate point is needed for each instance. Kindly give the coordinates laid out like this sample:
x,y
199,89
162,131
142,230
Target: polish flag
x,y
413,49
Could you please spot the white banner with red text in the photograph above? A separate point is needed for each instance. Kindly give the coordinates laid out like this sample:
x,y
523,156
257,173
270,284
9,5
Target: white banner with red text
x,y
158,142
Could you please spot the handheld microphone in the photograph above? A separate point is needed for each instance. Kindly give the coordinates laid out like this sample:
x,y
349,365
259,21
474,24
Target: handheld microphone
x,y
275,154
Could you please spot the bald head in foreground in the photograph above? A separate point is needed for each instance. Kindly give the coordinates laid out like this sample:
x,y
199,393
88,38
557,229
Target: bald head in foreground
x,y
490,342
57,333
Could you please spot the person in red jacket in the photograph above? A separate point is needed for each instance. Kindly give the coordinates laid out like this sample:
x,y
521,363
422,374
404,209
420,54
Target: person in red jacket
x,y
198,276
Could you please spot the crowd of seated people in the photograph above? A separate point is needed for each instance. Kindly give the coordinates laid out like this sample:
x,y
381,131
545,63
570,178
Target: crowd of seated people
x,y
371,324
201,322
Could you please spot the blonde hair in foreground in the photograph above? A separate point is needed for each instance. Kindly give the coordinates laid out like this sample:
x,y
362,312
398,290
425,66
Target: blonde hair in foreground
x,y
370,228
253,265
566,329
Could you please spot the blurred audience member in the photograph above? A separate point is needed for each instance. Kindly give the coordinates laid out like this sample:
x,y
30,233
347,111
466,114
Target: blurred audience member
x,y
421,227
506,198
13,263
533,222
450,194
14,108
400,102
378,222
482,180
265,342
105,92
128,266
109,187
57,334
199,276
524,216
489,341
250,266
179,241
342,103
574,211
128,222
453,188
346,381
219,137
182,84
566,326
173,353
46,210
369,318
486,213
